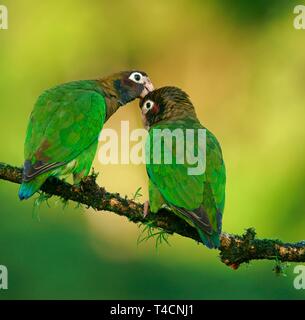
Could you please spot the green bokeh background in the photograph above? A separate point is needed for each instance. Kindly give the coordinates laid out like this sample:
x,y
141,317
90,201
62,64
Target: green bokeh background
x,y
242,63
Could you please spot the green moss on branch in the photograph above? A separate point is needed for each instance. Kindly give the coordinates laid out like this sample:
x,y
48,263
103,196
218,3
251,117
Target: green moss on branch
x,y
234,249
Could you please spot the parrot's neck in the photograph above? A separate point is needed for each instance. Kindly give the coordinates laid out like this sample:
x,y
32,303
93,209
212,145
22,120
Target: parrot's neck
x,y
112,98
112,105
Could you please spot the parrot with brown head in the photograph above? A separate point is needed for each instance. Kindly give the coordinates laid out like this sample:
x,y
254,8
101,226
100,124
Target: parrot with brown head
x,y
197,196
64,126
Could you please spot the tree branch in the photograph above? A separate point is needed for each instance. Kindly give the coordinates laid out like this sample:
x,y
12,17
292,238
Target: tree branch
x,y
234,249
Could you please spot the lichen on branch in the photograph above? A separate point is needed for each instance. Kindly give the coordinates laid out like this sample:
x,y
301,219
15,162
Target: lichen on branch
x,y
234,249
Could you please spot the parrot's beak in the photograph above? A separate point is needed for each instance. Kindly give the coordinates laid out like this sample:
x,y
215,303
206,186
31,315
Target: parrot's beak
x,y
148,87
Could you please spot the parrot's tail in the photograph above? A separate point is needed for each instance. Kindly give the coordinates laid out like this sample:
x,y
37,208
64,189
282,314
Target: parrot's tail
x,y
199,219
27,189
211,241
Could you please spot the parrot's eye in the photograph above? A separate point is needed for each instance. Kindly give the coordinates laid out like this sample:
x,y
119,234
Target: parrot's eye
x,y
136,77
148,105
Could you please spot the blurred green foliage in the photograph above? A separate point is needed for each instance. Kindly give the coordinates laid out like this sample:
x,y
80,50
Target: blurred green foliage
x,y
255,13
242,63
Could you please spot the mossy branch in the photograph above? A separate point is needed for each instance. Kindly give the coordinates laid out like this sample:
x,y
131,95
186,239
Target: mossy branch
x,y
234,249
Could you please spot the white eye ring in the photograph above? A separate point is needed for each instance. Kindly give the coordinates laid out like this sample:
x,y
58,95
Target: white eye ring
x,y
136,77
148,105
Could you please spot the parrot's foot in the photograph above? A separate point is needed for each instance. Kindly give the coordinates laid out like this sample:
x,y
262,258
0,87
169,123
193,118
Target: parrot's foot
x,y
146,209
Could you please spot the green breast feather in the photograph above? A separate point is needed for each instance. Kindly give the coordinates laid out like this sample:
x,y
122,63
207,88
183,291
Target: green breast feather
x,y
199,199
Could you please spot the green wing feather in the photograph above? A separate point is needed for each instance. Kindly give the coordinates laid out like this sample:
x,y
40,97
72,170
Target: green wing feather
x,y
215,175
65,123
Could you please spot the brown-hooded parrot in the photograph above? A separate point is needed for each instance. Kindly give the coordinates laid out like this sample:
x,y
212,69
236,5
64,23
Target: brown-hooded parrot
x,y
64,126
197,198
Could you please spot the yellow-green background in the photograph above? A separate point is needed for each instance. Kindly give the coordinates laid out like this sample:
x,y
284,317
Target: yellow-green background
x,y
242,63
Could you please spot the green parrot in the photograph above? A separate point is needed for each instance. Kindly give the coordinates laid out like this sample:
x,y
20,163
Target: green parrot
x,y
199,196
64,126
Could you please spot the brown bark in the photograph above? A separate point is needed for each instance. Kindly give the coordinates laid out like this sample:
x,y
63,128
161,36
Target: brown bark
x,y
234,249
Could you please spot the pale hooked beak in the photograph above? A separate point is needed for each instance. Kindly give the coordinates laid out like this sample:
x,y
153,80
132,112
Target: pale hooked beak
x,y
148,87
